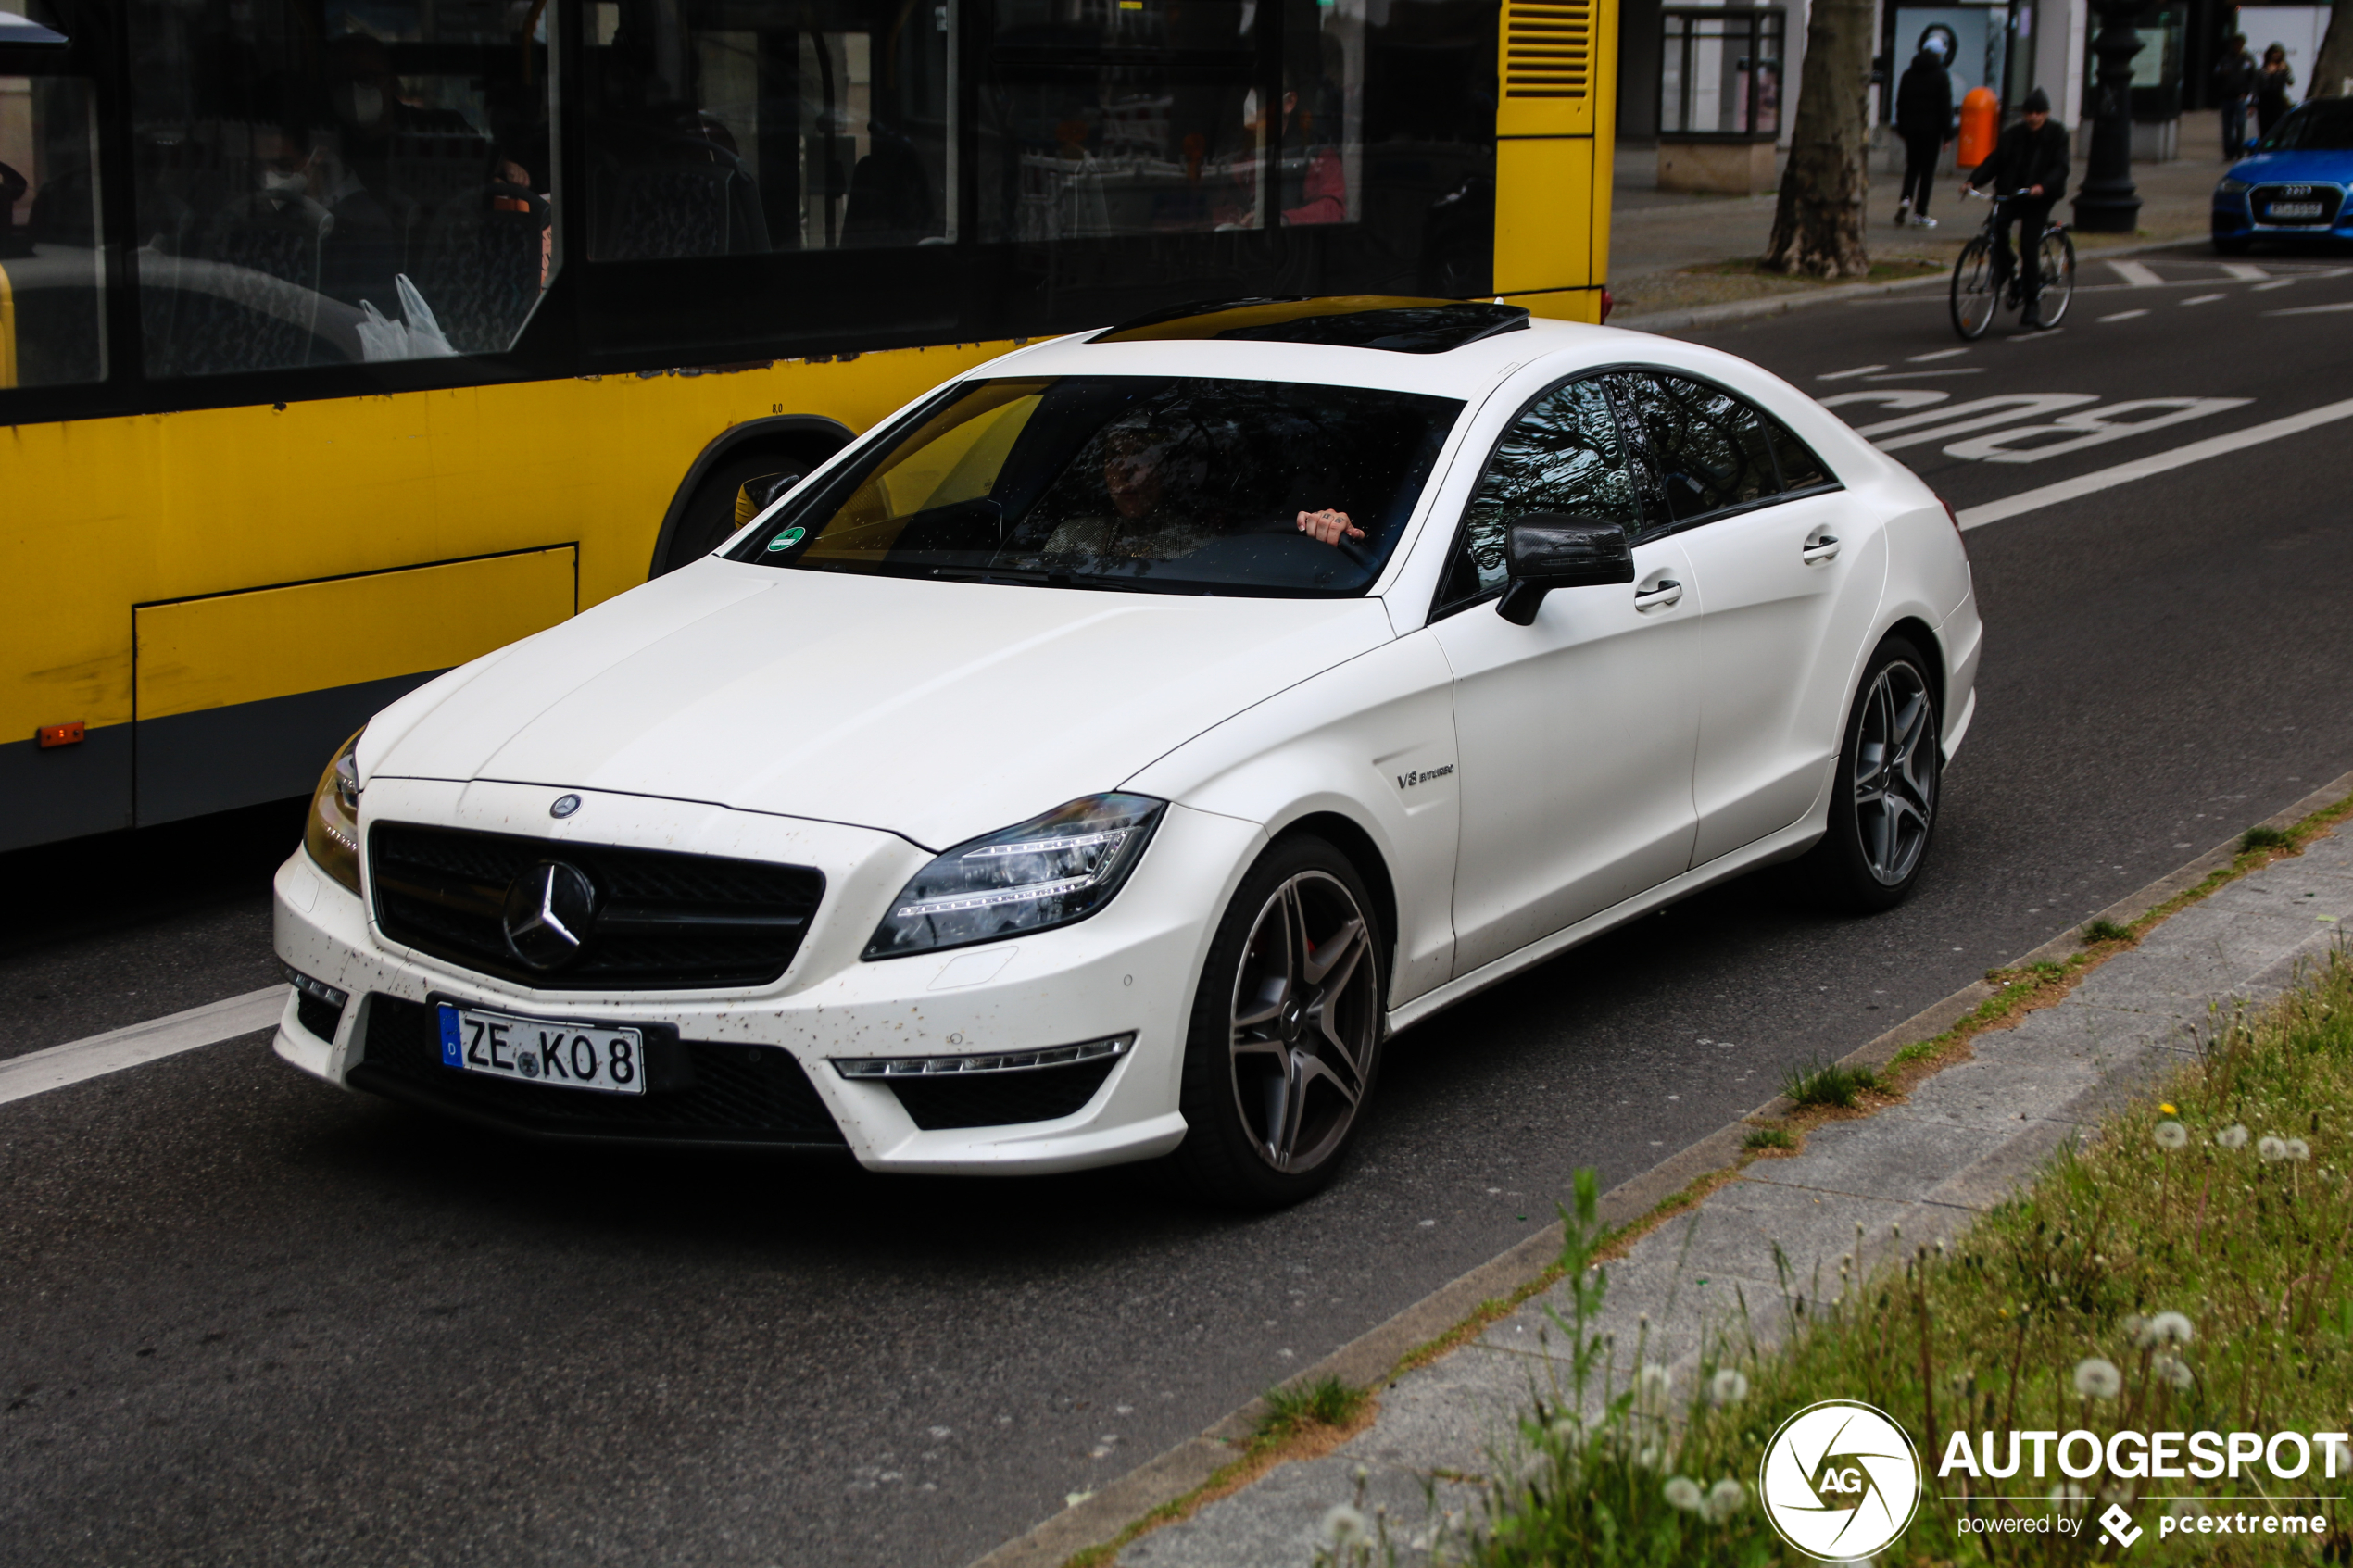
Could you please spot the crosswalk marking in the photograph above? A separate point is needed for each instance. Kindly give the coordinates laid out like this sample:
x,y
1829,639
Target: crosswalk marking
x,y
2205,299
2138,274
2242,272
2123,316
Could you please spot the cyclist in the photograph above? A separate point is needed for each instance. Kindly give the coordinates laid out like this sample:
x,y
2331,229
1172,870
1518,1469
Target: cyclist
x,y
2028,172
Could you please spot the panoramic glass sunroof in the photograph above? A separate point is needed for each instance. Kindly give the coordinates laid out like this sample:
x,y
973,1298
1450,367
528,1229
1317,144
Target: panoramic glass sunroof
x,y
1400,326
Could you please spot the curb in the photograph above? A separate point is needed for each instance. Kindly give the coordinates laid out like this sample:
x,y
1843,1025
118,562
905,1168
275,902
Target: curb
x,y
1775,305
1369,1358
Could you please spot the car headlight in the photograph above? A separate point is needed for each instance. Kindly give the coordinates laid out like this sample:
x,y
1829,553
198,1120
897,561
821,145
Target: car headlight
x,y
331,833
1048,871
2232,188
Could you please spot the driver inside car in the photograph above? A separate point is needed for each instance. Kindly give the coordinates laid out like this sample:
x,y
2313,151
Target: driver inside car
x,y
1160,482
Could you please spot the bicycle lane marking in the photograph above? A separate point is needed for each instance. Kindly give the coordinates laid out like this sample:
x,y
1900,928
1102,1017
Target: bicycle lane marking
x,y
2144,468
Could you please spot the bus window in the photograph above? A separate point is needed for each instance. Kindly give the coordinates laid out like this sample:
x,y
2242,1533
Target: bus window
x,y
314,188
727,127
52,317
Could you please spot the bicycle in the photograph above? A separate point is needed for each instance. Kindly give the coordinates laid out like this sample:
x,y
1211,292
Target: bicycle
x,y
1978,293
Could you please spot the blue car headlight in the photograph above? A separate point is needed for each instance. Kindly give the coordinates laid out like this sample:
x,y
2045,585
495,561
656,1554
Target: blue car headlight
x,y
1046,871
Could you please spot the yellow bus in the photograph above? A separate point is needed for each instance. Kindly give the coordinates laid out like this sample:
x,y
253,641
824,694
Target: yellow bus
x,y
342,343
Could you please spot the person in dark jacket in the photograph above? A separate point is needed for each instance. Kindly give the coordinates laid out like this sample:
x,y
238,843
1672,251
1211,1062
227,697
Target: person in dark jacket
x,y
1924,119
2272,79
2028,172
2234,89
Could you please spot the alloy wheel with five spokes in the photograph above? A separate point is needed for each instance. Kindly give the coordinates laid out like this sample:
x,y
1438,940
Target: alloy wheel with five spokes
x,y
1895,773
1306,1020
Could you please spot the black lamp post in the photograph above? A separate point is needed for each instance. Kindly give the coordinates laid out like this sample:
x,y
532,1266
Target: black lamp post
x,y
2108,204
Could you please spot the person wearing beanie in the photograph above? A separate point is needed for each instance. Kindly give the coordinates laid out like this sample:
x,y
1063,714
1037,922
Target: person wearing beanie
x,y
1924,119
2028,173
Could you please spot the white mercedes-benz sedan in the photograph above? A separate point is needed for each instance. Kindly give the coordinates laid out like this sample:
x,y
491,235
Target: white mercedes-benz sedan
x,y
1102,758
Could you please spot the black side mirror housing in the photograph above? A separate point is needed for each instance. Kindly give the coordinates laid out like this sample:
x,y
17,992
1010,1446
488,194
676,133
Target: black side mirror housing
x,y
1548,550
756,495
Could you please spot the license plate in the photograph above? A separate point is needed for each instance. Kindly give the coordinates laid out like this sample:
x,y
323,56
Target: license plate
x,y
571,1056
2294,209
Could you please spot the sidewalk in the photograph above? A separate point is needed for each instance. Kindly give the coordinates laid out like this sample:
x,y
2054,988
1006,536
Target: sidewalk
x,y
1957,1145
1656,236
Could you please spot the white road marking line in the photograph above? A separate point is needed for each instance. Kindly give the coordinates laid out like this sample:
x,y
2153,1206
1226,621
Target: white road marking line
x,y
2181,457
1940,353
37,1072
2030,337
1916,375
2137,274
2313,310
2274,284
1847,375
2121,316
2205,299
2242,272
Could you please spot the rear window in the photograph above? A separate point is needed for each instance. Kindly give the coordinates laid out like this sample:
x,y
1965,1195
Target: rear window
x,y
1164,483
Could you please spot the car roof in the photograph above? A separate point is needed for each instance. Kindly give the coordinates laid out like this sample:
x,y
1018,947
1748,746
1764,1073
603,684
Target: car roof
x,y
1339,340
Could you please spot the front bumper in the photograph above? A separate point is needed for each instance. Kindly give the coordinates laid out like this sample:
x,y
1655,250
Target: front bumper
x,y
738,1058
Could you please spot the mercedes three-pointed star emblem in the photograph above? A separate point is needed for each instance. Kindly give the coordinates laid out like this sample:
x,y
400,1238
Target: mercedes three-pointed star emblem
x,y
547,911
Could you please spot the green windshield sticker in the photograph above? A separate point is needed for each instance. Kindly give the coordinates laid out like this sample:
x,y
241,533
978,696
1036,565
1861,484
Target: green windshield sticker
x,y
787,539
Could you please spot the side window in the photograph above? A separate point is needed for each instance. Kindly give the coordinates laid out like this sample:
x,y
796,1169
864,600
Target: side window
x,y
52,313
1709,449
1800,468
314,188
1563,454
742,127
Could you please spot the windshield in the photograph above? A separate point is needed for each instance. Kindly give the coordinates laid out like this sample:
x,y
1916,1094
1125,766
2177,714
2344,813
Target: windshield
x,y
1172,483
2314,127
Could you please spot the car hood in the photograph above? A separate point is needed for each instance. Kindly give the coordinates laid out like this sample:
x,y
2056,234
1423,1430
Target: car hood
x,y
2268,169
936,711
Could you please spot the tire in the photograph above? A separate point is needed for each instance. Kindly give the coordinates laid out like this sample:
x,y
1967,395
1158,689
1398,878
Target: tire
x,y
1280,1061
1975,294
1883,805
2058,265
709,515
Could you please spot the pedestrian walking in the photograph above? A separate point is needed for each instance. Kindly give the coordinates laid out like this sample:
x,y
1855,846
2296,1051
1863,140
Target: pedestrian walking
x,y
2235,90
2272,79
2028,172
1924,119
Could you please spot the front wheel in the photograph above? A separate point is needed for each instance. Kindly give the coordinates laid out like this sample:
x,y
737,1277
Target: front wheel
x,y
1884,799
1286,1033
2057,264
1976,291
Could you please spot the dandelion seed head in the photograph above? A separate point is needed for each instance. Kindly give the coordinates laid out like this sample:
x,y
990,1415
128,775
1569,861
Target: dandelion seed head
x,y
1683,1492
1724,1500
2096,1378
2170,1328
2172,1372
1653,1377
2171,1134
1344,1526
1728,1388
2231,1137
2271,1147
2297,1148
2068,1498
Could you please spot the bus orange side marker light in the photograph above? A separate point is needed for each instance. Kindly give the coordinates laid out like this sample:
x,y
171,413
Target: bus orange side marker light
x,y
60,734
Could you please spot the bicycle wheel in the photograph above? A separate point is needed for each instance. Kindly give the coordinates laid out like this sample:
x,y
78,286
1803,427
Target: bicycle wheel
x,y
1976,291
2059,277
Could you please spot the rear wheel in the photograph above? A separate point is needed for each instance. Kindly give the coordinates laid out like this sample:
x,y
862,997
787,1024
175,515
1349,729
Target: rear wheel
x,y
1286,1032
709,513
2057,264
1885,800
1976,291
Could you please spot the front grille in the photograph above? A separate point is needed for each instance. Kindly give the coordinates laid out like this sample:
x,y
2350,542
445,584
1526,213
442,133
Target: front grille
x,y
2266,198
696,1091
663,921
999,1100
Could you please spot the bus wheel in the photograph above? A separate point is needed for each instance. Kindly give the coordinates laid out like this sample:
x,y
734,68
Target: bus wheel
x,y
709,515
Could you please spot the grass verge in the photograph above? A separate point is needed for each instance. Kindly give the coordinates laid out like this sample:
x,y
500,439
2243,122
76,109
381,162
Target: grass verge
x,y
2186,1269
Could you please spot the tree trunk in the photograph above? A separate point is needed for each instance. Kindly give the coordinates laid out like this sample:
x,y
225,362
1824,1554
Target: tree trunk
x,y
1818,226
2332,72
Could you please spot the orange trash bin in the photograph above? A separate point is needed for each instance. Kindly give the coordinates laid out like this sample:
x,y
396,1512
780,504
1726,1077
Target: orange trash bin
x,y
1981,123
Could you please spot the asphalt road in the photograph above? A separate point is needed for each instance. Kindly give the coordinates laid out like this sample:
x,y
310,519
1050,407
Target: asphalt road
x,y
243,1317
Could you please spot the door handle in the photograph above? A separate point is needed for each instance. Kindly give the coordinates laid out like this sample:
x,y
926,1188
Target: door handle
x,y
1820,550
1668,591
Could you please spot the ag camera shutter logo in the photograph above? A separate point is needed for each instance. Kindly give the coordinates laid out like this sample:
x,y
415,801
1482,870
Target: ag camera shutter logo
x,y
1840,1480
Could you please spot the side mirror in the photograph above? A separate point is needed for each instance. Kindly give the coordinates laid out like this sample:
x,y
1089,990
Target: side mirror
x,y
1548,550
756,495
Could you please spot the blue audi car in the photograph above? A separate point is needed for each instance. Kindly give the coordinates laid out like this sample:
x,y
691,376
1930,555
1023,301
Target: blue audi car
x,y
2293,186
